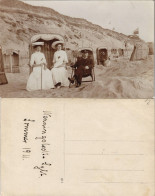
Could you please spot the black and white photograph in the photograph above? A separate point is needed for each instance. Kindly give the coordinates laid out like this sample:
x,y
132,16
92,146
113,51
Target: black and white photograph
x,y
76,49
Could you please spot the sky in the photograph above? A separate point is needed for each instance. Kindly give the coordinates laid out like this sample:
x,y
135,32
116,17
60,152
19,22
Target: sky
x,y
124,16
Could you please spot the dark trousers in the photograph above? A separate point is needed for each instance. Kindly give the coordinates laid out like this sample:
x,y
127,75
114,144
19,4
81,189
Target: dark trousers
x,y
81,72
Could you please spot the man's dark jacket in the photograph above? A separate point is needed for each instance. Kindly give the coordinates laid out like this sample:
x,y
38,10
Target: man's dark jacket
x,y
80,70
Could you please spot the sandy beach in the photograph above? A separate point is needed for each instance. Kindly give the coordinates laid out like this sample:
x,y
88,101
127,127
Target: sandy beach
x,y
122,79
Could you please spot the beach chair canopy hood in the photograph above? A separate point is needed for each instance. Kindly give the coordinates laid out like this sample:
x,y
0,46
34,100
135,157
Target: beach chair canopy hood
x,y
87,48
11,51
46,37
101,54
3,79
48,40
101,48
11,60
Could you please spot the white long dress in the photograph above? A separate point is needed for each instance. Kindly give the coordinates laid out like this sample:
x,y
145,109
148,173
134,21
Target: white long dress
x,y
34,81
60,74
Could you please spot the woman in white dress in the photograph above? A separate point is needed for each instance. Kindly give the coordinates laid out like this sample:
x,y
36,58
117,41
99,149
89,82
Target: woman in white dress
x,y
59,72
41,77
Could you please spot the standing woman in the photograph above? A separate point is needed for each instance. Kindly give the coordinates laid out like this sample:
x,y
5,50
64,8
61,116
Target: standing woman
x,y
59,72
40,78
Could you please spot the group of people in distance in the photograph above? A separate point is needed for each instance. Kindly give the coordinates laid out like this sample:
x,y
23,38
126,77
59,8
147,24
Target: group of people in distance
x,y
43,78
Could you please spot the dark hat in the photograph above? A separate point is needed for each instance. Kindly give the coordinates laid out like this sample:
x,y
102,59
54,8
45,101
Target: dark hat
x,y
54,45
85,51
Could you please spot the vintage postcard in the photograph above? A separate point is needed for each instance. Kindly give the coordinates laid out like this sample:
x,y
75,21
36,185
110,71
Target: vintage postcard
x,y
52,54
59,147
76,49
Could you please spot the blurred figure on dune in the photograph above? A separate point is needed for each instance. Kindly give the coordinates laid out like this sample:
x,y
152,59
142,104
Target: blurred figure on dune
x,y
102,58
107,62
59,72
40,78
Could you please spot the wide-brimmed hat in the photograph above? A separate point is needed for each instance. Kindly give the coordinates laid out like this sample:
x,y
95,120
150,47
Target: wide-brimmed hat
x,y
35,44
56,43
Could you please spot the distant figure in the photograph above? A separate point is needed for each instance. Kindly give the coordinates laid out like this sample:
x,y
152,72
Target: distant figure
x,y
108,62
102,58
59,72
83,66
40,77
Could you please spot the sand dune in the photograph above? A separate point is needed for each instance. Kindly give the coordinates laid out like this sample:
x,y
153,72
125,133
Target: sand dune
x,y
122,79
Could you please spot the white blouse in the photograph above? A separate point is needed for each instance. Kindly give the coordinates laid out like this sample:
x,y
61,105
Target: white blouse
x,y
37,58
59,58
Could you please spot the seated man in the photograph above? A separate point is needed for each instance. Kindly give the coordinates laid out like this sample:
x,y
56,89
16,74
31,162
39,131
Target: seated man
x,y
83,67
